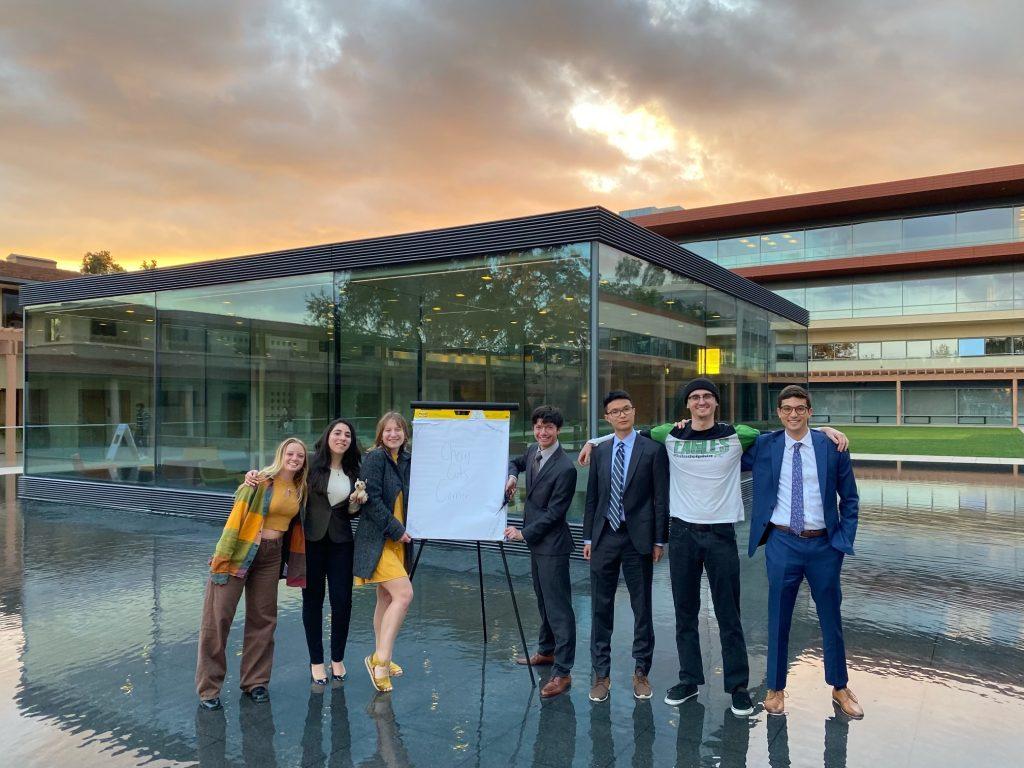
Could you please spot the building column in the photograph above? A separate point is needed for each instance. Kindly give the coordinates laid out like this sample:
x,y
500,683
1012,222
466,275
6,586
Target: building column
x,y
1015,418
899,401
11,402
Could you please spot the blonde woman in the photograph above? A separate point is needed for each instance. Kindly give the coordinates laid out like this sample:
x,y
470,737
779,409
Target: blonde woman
x,y
261,542
382,545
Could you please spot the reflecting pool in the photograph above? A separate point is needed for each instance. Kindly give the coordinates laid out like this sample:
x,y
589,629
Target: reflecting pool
x,y
99,610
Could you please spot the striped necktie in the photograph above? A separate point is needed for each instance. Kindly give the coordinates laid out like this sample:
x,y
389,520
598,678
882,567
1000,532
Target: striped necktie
x,y
615,514
796,502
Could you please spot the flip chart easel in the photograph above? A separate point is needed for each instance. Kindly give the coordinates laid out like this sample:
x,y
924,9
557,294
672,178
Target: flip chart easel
x,y
465,418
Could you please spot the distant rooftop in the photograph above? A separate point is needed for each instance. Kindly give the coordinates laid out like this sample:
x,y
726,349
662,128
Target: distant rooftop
x,y
19,268
649,210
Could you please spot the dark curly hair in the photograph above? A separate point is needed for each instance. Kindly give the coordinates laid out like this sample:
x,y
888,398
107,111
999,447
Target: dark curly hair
x,y
320,461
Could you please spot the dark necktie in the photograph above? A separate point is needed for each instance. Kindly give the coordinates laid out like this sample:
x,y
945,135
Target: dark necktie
x,y
796,502
615,513
534,468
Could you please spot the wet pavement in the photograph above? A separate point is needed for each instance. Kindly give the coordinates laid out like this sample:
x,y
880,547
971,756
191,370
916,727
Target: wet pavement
x,y
99,608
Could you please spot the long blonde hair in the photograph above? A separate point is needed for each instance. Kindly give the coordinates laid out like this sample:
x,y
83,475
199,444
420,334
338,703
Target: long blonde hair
x,y
378,440
271,471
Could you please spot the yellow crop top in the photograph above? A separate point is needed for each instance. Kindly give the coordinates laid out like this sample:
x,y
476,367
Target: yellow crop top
x,y
284,505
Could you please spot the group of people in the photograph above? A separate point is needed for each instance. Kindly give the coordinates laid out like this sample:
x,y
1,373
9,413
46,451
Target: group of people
x,y
292,520
677,485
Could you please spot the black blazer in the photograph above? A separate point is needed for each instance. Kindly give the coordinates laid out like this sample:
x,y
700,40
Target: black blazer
x,y
645,498
548,499
320,519
385,479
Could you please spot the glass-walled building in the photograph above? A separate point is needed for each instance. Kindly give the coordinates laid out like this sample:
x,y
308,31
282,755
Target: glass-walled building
x,y
183,378
914,289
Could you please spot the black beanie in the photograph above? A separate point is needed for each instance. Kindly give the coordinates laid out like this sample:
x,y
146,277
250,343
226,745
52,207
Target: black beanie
x,y
701,383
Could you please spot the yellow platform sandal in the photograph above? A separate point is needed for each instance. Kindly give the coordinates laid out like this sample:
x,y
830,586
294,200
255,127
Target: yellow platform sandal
x,y
381,682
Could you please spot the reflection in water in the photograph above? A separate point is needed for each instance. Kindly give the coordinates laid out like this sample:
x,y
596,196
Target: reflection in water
x,y
556,733
99,612
391,751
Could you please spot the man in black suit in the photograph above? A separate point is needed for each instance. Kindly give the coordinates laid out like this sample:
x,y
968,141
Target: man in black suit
x,y
550,486
625,527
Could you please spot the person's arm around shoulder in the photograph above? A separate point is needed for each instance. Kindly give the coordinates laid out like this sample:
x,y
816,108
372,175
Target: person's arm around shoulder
x,y
849,498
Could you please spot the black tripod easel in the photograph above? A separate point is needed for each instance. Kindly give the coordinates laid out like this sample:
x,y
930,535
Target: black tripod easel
x,y
466,408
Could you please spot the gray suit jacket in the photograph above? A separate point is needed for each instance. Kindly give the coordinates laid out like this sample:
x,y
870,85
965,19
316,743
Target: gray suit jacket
x,y
548,499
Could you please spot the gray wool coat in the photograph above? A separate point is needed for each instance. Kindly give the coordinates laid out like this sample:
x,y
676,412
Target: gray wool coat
x,y
384,479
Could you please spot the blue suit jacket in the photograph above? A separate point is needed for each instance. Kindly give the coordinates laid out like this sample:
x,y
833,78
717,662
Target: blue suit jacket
x,y
835,478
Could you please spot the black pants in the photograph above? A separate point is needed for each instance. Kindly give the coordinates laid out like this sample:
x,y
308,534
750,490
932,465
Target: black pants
x,y
615,552
554,602
330,561
690,553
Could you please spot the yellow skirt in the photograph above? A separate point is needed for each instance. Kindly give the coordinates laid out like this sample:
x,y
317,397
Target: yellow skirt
x,y
392,560
390,566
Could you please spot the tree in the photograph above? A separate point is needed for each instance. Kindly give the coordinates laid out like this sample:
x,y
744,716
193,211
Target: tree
x,y
99,263
151,264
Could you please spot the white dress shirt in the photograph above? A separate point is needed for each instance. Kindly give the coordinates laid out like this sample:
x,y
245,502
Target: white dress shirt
x,y
814,512
545,454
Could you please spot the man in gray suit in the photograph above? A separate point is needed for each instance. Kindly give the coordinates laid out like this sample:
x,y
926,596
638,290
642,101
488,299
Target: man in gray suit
x,y
550,486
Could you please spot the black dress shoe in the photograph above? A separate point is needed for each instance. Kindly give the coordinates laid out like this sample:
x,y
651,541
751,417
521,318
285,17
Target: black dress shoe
x,y
259,694
211,704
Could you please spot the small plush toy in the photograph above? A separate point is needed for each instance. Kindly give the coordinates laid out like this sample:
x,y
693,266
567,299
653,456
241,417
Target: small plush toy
x,y
358,496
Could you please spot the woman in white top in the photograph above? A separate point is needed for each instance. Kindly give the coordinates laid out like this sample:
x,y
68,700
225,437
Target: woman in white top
x,y
332,500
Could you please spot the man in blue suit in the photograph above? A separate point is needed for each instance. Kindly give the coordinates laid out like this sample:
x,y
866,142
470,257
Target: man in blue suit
x,y
798,474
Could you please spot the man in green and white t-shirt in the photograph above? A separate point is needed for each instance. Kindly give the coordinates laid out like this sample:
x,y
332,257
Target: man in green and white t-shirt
x,y
705,503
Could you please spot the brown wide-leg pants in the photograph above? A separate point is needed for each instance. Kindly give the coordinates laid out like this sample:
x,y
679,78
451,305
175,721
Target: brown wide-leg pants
x,y
260,585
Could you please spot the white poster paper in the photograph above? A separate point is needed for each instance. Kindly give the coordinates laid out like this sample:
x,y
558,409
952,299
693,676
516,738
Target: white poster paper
x,y
457,483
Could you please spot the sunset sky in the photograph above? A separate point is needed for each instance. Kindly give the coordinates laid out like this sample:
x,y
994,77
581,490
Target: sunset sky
x,y
194,129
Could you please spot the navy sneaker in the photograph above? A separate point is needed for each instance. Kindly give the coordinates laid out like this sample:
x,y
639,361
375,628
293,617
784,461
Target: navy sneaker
x,y
679,693
211,704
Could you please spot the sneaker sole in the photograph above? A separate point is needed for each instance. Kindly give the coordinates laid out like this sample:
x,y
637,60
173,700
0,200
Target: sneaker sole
x,y
677,702
643,697
598,700
742,712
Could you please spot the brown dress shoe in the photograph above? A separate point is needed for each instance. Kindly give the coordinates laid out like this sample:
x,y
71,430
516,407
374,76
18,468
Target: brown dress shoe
x,y
847,703
556,686
537,660
641,686
599,690
775,702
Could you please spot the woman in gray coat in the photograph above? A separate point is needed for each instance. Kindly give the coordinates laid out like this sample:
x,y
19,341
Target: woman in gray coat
x,y
382,545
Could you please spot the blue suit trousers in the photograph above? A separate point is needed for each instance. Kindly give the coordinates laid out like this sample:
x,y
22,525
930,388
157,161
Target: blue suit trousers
x,y
790,559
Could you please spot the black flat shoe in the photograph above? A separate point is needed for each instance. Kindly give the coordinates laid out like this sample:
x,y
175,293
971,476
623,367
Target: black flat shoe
x,y
259,694
211,704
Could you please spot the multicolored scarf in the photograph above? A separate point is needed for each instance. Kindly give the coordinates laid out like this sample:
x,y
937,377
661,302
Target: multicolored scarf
x,y
240,539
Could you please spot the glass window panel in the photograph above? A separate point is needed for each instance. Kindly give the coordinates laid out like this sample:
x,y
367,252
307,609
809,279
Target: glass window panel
x,y
944,347
242,366
989,225
919,348
875,406
928,295
90,389
869,350
894,350
994,404
799,295
873,299
924,232
11,310
833,406
828,242
829,301
1018,290
1018,345
739,251
986,292
877,237
785,333
782,247
706,248
930,406
998,345
971,347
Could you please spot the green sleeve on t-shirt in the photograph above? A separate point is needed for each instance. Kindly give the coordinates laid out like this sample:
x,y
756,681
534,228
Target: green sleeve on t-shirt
x,y
747,435
660,433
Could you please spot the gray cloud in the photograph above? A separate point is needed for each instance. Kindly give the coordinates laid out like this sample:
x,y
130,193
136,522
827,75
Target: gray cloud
x,y
192,130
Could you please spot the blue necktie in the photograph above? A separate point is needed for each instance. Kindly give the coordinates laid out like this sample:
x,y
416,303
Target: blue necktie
x,y
615,515
796,502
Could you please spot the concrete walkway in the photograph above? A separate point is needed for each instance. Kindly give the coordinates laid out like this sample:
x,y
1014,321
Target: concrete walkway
x,y
935,459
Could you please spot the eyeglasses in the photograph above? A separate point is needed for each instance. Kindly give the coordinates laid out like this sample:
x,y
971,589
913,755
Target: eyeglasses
x,y
698,398
623,411
799,410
